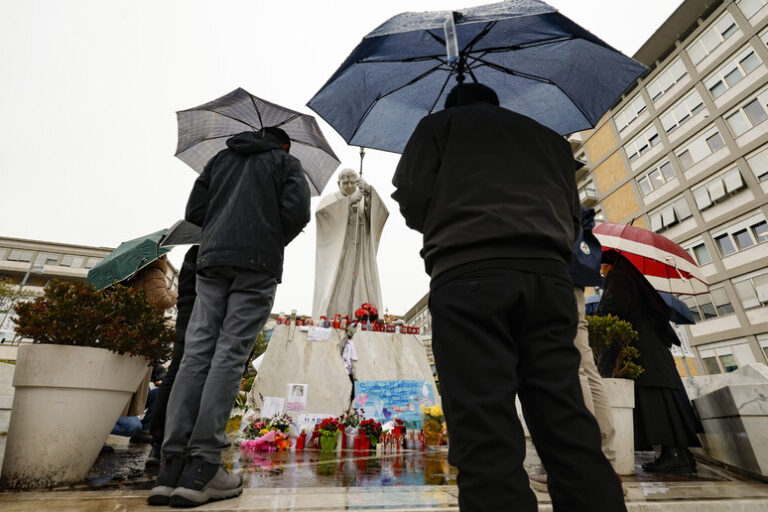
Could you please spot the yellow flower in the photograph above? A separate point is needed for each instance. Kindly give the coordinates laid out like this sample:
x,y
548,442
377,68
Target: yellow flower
x,y
435,411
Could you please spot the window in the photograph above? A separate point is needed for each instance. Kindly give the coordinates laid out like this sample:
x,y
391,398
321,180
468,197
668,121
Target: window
x,y
19,255
681,112
752,289
718,189
642,143
725,245
710,40
732,72
758,162
710,364
709,305
655,178
92,262
749,115
664,82
750,7
699,252
588,191
46,258
670,214
72,261
700,148
629,113
742,235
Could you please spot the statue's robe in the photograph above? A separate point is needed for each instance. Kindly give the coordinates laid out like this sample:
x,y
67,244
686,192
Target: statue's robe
x,y
348,237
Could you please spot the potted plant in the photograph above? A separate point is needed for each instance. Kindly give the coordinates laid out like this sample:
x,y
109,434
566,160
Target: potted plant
x,y
90,352
372,430
612,341
328,430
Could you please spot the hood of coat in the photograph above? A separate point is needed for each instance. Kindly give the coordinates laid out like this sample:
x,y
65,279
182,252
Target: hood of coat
x,y
250,142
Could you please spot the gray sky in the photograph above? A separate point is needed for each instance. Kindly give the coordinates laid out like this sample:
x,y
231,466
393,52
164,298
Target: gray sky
x,y
90,90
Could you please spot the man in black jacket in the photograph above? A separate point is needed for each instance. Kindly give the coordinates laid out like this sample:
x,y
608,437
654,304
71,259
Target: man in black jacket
x,y
493,193
251,200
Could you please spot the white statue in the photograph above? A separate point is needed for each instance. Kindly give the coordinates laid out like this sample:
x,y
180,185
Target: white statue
x,y
349,225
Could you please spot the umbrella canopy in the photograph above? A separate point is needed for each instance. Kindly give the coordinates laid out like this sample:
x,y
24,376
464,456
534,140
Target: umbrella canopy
x,y
204,130
666,265
539,62
125,261
678,311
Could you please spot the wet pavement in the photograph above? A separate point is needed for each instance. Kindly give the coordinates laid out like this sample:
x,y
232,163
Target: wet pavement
x,y
406,480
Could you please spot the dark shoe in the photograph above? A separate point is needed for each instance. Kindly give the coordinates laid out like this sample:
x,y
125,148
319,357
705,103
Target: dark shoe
x,y
672,460
153,459
202,482
106,450
168,477
141,437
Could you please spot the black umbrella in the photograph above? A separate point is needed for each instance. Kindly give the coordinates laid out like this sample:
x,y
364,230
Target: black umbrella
x,y
204,130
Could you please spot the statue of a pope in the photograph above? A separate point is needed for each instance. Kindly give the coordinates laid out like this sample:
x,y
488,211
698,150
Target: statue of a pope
x,y
349,226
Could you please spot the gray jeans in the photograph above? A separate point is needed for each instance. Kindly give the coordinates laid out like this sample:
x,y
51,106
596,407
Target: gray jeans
x,y
231,307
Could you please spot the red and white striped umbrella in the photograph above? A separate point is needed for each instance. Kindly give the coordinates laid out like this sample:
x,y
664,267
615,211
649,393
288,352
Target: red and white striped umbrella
x,y
666,265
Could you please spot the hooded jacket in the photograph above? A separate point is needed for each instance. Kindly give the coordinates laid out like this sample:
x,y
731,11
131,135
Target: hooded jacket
x,y
251,200
482,182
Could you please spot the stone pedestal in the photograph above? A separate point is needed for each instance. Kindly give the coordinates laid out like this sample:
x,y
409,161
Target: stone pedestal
x,y
735,420
621,398
292,358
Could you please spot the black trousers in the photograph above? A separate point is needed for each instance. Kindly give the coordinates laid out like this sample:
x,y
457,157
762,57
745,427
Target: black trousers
x,y
499,332
157,428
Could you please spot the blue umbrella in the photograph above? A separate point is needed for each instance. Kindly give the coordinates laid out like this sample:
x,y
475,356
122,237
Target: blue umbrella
x,y
678,311
540,63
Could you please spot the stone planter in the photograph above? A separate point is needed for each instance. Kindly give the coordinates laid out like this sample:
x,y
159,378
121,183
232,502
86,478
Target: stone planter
x,y
621,398
66,401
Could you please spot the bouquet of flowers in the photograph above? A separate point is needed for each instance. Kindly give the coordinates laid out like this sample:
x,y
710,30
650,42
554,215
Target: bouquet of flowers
x,y
372,429
351,419
432,424
271,441
327,430
281,422
255,429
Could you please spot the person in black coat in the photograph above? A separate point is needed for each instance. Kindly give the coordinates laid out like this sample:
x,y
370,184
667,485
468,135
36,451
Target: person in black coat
x,y
660,416
494,195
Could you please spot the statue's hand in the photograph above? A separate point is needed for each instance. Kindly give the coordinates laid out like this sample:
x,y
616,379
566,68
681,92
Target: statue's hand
x,y
363,185
356,196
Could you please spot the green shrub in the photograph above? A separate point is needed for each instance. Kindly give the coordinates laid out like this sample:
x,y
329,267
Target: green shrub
x,y
248,384
119,319
608,335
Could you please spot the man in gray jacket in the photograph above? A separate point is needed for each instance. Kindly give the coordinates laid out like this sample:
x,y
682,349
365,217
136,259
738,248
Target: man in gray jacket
x,y
251,199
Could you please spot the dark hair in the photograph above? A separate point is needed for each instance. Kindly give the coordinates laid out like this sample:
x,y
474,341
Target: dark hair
x,y
466,94
279,134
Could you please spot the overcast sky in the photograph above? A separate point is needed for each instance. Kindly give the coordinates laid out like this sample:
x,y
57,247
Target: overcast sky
x,y
90,90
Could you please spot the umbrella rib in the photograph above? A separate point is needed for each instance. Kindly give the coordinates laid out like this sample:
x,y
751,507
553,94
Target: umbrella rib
x,y
232,118
513,72
380,96
256,108
203,140
479,36
447,79
281,123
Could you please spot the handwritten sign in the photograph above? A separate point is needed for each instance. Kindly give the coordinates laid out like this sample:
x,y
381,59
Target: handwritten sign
x,y
272,405
384,400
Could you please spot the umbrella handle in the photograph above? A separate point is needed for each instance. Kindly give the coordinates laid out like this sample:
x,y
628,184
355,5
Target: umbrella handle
x,y
362,155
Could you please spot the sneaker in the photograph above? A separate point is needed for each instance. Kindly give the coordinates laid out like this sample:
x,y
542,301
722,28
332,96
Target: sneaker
x,y
141,437
171,468
202,482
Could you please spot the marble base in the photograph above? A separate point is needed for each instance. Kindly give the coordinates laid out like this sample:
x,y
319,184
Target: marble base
x,y
292,358
752,373
735,420
621,398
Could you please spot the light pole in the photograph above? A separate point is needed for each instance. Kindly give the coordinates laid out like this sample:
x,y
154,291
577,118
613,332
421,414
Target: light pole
x,y
32,268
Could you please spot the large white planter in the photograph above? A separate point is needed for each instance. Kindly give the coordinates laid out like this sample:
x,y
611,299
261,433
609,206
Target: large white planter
x,y
621,398
67,400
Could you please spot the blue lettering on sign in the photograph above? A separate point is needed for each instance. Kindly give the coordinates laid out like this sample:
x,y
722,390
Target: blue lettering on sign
x,y
383,400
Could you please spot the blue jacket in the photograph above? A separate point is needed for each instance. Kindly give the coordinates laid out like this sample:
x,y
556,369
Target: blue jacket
x,y
587,252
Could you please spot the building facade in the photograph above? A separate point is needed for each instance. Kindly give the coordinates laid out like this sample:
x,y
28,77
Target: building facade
x,y
685,154
35,262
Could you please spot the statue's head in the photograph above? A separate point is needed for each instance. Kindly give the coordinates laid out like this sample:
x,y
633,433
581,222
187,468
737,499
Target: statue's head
x,y
348,181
